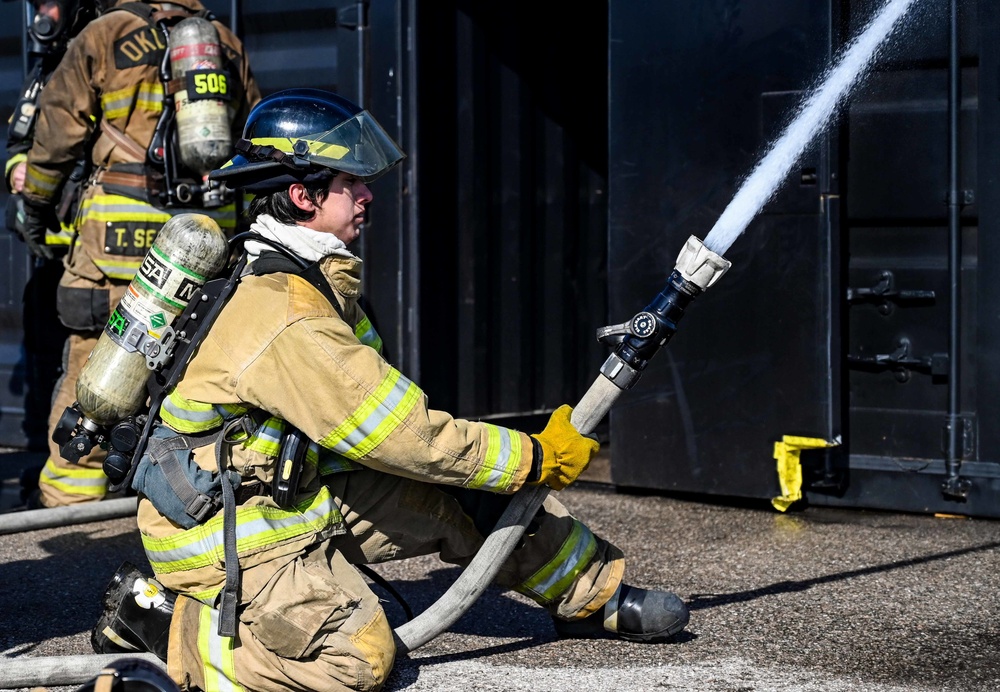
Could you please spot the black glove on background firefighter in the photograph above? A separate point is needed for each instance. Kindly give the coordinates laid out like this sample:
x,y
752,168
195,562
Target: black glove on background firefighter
x,y
52,24
150,94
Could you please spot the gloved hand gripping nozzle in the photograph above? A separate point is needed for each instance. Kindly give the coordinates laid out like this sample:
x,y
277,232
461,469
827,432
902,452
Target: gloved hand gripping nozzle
x,y
637,341
640,338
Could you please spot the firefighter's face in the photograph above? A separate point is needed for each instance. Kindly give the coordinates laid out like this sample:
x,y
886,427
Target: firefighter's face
x,y
52,10
343,210
48,22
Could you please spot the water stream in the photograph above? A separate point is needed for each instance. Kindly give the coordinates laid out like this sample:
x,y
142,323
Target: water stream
x,y
813,115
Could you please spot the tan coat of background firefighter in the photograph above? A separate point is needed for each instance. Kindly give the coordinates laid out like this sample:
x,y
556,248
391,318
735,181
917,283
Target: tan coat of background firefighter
x,y
107,96
261,593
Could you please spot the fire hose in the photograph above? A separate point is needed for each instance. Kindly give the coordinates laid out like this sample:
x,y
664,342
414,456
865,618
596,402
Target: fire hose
x,y
639,339
32,519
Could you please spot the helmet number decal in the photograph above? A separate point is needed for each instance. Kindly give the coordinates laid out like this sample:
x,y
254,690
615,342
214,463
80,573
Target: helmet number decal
x,y
207,84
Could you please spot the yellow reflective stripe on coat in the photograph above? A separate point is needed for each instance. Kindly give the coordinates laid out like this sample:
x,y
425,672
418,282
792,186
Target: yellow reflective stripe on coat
x,y
13,161
267,438
376,418
74,480
64,236
256,526
267,441
219,664
502,459
105,207
558,573
367,335
187,416
40,184
119,104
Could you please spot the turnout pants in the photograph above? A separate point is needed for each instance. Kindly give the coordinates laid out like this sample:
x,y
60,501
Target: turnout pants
x,y
314,624
62,482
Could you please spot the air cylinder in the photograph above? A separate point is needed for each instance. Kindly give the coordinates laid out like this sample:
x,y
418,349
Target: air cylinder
x,y
188,251
203,130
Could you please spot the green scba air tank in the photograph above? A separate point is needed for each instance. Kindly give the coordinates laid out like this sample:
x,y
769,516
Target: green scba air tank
x,y
188,251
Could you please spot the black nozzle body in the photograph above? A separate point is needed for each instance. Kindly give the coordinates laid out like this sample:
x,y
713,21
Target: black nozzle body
x,y
652,328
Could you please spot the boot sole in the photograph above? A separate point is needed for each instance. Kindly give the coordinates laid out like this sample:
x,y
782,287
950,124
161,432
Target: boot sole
x,y
103,638
587,630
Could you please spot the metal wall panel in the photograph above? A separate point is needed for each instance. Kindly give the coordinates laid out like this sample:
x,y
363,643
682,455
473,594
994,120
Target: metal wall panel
x,y
698,89
512,120
835,317
899,285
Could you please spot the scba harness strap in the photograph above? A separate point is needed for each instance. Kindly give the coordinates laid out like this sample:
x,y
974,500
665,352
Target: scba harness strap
x,y
163,468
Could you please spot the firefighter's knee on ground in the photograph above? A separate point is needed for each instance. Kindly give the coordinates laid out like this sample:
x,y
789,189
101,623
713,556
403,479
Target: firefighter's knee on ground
x,y
377,646
319,610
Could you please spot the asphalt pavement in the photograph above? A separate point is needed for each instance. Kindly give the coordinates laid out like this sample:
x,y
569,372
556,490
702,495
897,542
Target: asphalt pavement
x,y
818,600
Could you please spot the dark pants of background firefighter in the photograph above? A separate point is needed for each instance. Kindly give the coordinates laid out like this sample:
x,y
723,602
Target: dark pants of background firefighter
x,y
44,339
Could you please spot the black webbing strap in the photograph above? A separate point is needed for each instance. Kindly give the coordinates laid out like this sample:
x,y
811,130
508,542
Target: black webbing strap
x,y
197,504
231,591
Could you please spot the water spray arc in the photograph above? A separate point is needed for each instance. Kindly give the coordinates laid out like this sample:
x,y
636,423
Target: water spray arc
x,y
699,266
813,116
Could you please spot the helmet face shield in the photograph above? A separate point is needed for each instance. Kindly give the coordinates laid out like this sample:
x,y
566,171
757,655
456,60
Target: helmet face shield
x,y
298,134
358,146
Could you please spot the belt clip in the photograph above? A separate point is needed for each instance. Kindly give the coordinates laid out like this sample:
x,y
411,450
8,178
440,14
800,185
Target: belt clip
x,y
244,427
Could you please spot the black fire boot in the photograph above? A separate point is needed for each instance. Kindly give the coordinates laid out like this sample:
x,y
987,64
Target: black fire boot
x,y
632,613
29,491
136,617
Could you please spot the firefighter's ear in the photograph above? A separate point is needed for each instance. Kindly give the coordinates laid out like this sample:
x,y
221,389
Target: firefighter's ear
x,y
300,197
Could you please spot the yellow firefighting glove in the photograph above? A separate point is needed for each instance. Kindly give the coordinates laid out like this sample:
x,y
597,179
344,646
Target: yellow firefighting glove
x,y
565,452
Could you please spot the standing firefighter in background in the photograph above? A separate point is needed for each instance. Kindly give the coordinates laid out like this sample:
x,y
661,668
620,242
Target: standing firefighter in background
x,y
261,592
154,90
53,24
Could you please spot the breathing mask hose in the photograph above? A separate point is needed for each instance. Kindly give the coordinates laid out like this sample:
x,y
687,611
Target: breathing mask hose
x,y
697,268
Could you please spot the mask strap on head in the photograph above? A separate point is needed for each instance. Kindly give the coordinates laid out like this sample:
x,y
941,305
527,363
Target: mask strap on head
x,y
257,152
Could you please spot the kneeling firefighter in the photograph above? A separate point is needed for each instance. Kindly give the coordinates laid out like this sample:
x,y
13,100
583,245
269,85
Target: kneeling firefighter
x,y
290,451
124,94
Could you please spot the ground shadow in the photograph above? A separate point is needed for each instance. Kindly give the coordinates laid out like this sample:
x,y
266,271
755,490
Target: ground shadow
x,y
60,595
703,601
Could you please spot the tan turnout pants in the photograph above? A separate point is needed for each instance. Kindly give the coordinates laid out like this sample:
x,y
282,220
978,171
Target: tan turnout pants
x,y
314,624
